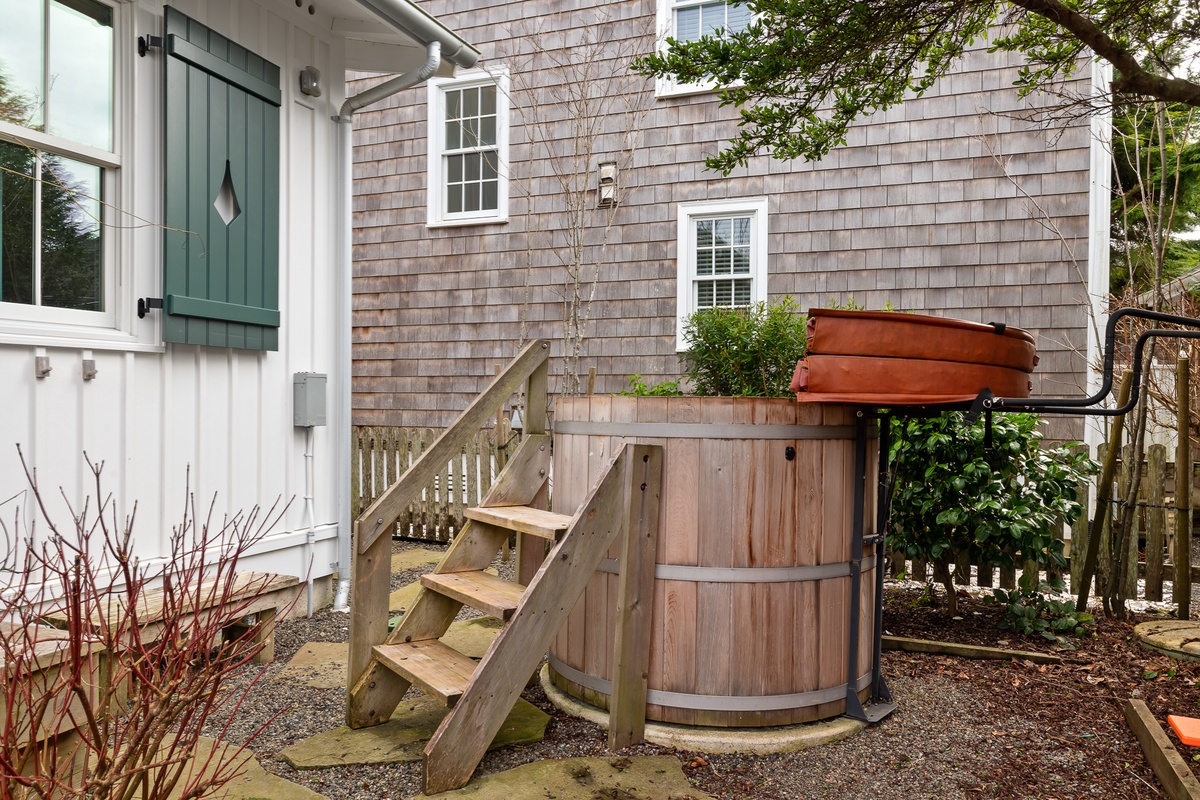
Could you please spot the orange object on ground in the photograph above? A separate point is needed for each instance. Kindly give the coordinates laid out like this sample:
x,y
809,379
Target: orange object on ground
x,y
1186,728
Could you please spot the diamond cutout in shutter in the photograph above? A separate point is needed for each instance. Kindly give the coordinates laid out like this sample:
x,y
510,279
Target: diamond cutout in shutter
x,y
226,203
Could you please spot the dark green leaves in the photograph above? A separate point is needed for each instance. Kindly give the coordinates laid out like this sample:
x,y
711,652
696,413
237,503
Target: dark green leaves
x,y
744,352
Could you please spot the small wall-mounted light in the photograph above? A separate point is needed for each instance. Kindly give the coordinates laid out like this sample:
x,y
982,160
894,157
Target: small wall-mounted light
x,y
517,425
607,194
310,81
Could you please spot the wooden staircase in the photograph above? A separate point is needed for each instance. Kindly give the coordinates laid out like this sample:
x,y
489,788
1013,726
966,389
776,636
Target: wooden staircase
x,y
480,696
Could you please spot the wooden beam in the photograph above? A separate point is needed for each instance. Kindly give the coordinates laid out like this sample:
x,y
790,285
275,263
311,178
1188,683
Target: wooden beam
x,y
635,599
382,514
460,742
1172,771
965,650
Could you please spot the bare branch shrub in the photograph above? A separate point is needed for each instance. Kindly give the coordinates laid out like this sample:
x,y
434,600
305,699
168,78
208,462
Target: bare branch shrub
x,y
110,704
580,106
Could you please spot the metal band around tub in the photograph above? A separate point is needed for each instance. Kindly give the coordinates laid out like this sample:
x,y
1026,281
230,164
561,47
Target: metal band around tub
x,y
697,430
682,572
708,702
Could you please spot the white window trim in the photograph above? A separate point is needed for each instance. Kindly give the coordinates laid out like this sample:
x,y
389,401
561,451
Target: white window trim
x,y
435,103
665,87
690,212
108,329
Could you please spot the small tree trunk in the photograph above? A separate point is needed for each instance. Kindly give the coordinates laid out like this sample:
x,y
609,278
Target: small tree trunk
x,y
941,573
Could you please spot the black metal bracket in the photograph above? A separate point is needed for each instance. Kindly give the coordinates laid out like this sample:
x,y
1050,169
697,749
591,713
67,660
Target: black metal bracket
x,y
880,705
986,401
147,42
147,303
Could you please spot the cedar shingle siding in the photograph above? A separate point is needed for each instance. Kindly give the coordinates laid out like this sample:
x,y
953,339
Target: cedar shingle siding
x,y
938,206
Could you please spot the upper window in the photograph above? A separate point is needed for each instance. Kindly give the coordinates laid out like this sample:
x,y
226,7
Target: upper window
x,y
722,257
468,149
56,153
689,20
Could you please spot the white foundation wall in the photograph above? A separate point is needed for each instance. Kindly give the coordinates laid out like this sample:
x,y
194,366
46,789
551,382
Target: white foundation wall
x,y
168,419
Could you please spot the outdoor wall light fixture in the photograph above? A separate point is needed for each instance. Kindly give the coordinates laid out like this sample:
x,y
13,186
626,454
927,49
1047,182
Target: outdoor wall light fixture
x,y
310,81
607,194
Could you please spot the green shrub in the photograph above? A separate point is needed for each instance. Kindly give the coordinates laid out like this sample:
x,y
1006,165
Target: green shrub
x,y
999,504
639,388
744,352
1037,612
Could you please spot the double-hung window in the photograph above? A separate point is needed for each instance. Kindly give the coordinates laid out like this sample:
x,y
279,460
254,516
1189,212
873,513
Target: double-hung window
x,y
57,160
722,247
689,20
468,148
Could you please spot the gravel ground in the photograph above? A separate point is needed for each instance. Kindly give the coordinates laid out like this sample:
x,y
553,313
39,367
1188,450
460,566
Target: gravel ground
x,y
963,729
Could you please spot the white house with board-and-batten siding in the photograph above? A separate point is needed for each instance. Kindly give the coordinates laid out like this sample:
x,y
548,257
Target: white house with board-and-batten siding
x,y
186,255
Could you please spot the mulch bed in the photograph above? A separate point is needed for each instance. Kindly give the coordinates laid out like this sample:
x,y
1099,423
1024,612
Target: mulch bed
x,y
1074,705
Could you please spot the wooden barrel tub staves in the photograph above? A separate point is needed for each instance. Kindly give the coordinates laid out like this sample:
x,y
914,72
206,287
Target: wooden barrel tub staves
x,y
752,579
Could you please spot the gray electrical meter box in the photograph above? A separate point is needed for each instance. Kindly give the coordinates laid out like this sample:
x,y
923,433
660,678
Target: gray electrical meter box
x,y
308,399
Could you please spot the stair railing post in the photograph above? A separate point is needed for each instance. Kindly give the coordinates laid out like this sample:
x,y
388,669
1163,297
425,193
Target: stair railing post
x,y
531,551
635,597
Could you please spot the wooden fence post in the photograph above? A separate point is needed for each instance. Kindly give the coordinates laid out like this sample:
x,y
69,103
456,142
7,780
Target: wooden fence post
x,y
1156,519
1079,536
1096,541
1130,556
1181,588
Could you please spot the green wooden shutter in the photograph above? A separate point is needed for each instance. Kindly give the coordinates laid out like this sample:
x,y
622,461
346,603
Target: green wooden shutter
x,y
220,273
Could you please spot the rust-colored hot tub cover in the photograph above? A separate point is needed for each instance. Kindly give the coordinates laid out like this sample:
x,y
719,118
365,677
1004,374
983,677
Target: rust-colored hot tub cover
x,y
889,358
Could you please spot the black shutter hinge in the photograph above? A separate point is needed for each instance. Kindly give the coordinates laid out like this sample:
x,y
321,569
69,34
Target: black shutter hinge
x,y
146,42
147,303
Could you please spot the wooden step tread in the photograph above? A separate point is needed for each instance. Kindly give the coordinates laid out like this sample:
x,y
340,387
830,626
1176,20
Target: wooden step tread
x,y
522,519
478,589
433,667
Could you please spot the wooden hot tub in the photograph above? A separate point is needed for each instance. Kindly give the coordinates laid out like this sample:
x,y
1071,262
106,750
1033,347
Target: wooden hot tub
x,y
752,605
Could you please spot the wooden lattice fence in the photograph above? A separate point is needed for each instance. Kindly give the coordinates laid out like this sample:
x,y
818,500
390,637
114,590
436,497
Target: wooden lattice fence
x,y
379,455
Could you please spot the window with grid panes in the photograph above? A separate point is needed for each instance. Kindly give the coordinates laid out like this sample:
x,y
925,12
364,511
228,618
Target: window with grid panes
x,y
58,159
693,20
468,149
722,258
689,20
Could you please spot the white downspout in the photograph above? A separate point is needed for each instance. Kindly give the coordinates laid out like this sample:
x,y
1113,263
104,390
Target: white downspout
x,y
345,120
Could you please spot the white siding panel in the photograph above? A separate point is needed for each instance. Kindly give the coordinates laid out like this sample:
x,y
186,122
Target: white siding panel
x,y
210,420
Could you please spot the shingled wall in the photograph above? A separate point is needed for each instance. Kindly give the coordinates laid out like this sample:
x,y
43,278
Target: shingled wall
x,y
944,205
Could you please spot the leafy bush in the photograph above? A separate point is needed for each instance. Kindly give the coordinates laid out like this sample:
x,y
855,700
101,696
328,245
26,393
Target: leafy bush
x,y
744,352
639,388
1037,612
1001,503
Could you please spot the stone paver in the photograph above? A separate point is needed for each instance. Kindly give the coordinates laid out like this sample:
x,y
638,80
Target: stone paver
x,y
657,777
1179,638
413,559
254,782
403,737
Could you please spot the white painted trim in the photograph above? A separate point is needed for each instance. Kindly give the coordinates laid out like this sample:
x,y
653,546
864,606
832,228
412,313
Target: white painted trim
x,y
45,325
1099,227
435,103
685,266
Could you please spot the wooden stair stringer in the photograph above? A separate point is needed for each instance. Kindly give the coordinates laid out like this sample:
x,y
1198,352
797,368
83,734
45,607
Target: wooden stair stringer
x,y
377,692
461,740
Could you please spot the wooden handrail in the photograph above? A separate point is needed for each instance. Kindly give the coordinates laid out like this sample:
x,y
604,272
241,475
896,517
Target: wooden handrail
x,y
383,513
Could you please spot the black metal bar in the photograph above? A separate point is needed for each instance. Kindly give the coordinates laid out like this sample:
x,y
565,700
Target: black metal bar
x,y
854,707
1080,405
883,499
